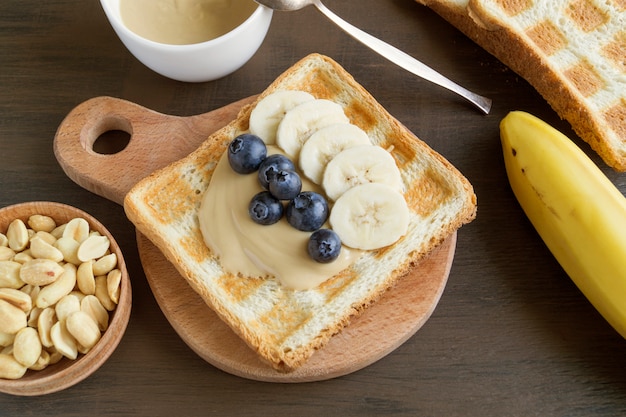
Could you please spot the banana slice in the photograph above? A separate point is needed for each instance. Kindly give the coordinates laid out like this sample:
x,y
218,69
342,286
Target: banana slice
x,y
370,216
360,165
323,145
303,120
270,110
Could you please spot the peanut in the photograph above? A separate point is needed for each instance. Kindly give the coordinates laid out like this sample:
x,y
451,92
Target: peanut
x,y
32,291
63,341
10,274
58,231
28,289
48,237
6,339
57,286
102,293
40,248
40,271
42,361
33,317
94,247
66,306
27,346
12,319
105,264
52,293
23,257
83,328
17,234
85,279
77,229
6,253
114,279
47,319
92,306
39,222
69,248
18,298
10,368
55,355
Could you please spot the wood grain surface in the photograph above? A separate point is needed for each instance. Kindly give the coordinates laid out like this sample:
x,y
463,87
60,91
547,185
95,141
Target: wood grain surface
x,y
153,144
155,140
511,334
380,330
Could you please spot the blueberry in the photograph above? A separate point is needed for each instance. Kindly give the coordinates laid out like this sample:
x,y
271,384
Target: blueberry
x,y
324,246
271,165
285,185
246,152
307,212
265,209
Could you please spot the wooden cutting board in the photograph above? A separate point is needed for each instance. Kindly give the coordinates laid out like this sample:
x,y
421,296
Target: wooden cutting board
x,y
156,140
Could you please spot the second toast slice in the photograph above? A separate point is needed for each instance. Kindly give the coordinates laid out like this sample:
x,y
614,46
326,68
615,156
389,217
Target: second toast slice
x,y
572,52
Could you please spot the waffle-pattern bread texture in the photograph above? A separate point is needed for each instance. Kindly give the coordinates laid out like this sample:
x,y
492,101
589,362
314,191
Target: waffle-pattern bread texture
x,y
573,52
285,326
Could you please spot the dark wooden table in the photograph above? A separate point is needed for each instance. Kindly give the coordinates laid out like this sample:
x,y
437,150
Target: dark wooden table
x,y
511,336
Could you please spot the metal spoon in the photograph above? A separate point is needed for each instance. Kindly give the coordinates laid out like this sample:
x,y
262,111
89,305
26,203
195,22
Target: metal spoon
x,y
391,53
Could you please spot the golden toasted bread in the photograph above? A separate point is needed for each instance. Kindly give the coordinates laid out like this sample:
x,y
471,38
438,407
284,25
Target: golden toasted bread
x,y
572,51
286,326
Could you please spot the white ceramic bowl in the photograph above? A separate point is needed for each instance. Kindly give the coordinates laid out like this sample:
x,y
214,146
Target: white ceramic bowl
x,y
198,62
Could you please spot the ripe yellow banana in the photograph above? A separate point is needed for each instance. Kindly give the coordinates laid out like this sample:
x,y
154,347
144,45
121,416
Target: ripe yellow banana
x,y
577,211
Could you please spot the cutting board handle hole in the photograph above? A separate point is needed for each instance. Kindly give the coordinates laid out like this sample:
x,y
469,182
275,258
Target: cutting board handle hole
x,y
111,142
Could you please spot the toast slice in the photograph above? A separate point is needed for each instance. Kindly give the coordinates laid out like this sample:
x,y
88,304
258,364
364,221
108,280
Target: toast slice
x,y
573,52
285,326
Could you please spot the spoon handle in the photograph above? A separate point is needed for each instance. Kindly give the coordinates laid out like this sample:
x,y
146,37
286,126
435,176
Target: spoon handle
x,y
404,60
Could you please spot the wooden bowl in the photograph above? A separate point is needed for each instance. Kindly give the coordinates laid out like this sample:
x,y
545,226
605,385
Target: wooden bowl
x,y
69,372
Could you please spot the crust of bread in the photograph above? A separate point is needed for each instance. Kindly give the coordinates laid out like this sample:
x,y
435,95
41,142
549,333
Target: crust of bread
x,y
599,117
283,326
